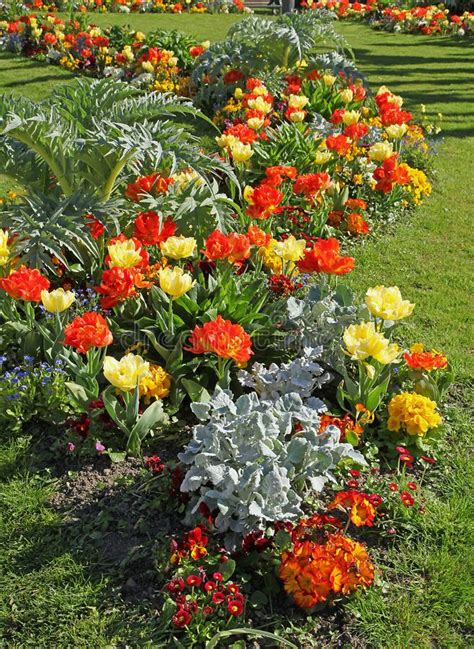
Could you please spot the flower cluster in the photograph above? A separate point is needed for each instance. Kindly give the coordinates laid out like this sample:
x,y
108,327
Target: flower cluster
x,y
142,6
199,596
317,572
127,55
429,20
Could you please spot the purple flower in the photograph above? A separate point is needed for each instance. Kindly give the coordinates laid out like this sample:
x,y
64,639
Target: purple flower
x,y
99,447
70,447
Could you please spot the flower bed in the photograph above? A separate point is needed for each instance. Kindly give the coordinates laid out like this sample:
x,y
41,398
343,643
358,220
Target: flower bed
x,y
428,20
141,6
158,297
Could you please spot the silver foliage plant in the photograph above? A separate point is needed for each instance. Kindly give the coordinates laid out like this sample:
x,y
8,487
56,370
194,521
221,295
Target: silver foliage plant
x,y
247,462
302,375
318,319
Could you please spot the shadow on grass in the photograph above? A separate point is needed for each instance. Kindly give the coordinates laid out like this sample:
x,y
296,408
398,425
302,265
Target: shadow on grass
x,y
107,522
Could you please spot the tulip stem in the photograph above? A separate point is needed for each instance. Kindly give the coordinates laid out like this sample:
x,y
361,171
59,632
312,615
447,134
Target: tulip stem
x,y
170,316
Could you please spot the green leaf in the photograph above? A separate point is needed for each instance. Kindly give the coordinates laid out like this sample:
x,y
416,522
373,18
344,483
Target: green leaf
x,y
195,390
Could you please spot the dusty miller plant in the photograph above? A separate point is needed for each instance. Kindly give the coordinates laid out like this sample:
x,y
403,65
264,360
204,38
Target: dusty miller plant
x,y
254,460
302,375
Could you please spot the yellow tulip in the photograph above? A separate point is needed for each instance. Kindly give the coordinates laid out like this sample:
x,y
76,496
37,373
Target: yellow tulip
x,y
241,152
260,91
380,151
255,123
174,281
227,141
127,372
178,247
350,117
260,104
148,66
396,131
328,80
290,249
362,340
346,95
297,117
123,254
58,300
297,101
387,303
322,157
4,250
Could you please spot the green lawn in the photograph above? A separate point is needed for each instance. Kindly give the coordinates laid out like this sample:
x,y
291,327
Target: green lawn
x,y
50,599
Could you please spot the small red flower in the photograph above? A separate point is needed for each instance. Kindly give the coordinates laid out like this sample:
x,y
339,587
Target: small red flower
x,y
393,486
428,460
235,607
181,618
193,580
218,597
412,486
407,499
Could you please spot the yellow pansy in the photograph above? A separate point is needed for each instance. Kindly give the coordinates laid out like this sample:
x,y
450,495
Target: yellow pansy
x,y
126,373
178,247
290,249
58,300
174,281
363,341
387,303
123,254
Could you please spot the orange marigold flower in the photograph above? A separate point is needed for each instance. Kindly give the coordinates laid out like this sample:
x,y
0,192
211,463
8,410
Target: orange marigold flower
x,y
324,257
221,337
86,331
152,184
25,284
151,231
